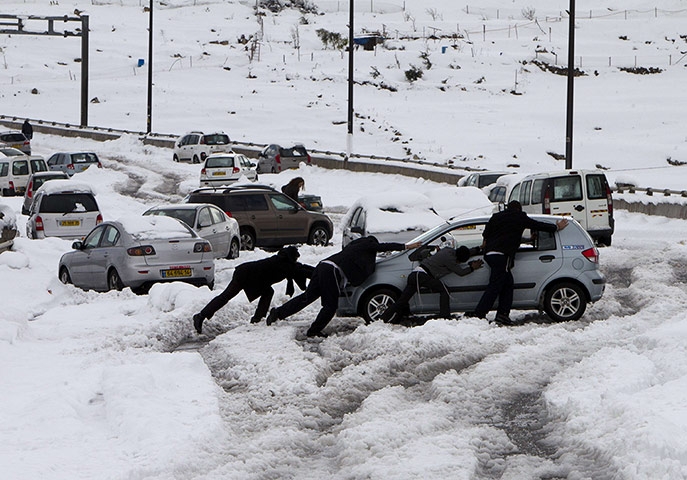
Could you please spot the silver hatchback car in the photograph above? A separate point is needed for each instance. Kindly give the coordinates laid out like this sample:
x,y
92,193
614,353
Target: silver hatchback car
x,y
137,252
554,272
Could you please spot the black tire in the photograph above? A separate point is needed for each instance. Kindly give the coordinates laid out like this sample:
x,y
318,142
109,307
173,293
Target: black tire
x,y
175,158
247,239
64,276
606,241
196,159
274,170
234,248
564,302
376,302
114,282
257,168
319,235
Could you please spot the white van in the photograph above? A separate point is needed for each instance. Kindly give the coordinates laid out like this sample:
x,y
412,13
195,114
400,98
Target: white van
x,y
582,194
15,172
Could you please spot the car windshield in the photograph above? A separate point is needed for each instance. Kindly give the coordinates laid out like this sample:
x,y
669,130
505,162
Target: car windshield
x,y
11,152
217,139
84,158
219,162
184,214
68,202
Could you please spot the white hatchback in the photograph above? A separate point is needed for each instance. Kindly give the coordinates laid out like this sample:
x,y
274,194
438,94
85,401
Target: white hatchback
x,y
226,168
63,208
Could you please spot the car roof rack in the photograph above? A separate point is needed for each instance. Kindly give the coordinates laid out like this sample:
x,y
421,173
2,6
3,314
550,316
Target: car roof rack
x,y
235,188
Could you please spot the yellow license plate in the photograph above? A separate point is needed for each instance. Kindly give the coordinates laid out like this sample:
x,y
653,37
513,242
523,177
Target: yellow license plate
x,y
176,273
70,223
218,174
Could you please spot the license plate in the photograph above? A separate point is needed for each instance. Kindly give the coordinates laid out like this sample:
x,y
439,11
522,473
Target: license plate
x,y
70,223
218,174
176,273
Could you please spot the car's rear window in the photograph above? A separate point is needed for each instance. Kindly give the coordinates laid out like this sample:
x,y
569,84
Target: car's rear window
x,y
216,139
38,166
20,167
38,181
14,137
567,189
294,152
84,158
184,214
596,186
68,202
219,162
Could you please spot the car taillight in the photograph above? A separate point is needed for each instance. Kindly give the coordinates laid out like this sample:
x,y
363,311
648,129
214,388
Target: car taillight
x,y
609,201
29,189
235,170
39,224
309,159
202,247
591,254
70,166
11,185
278,159
203,155
100,165
99,219
228,213
141,251
202,171
546,201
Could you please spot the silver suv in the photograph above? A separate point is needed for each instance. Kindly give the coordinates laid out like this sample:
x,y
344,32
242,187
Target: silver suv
x,y
195,146
554,272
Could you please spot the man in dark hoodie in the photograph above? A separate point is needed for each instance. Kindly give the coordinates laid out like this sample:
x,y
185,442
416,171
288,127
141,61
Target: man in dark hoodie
x,y
428,274
352,265
502,237
256,279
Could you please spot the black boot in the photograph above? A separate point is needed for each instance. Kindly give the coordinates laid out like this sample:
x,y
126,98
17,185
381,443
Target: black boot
x,y
198,322
272,317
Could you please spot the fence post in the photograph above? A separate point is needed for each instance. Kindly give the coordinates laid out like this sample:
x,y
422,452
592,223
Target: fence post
x,y
484,33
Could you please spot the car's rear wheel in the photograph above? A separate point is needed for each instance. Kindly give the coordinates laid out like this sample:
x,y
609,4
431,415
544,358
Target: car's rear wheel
x,y
606,241
196,159
247,239
564,302
376,302
319,236
64,276
234,248
114,282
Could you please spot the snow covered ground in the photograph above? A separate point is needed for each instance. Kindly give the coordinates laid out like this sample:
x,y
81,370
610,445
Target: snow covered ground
x,y
118,386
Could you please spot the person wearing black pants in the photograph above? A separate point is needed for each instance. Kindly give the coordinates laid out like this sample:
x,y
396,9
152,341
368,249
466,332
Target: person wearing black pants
x,y
256,279
354,264
502,237
427,274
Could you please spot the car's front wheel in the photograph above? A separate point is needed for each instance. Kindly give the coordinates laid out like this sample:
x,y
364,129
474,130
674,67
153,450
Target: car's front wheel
x,y
196,159
114,282
175,158
64,276
376,302
234,248
247,239
319,236
564,302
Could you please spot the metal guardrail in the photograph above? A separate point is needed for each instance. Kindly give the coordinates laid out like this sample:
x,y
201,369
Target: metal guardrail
x,y
666,192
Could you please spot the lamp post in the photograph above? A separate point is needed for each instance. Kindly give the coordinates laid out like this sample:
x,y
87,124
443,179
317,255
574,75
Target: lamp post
x,y
571,82
349,137
149,116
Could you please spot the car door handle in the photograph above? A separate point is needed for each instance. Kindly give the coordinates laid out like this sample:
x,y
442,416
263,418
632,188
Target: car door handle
x,y
547,258
579,208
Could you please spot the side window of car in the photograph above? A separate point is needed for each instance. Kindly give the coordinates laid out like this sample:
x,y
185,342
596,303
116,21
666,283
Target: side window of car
x,y
204,218
538,191
567,188
525,192
4,169
596,187
93,238
193,139
355,218
217,215
256,202
111,237
468,235
515,194
38,166
282,202
20,167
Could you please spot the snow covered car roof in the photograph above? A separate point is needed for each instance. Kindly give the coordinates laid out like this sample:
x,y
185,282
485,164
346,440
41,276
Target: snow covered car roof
x,y
59,186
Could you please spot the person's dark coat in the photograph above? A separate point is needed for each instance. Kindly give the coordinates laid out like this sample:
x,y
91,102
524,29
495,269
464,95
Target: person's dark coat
x,y
503,232
358,258
27,129
259,275
292,188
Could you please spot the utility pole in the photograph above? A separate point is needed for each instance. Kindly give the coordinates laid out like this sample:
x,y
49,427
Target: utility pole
x,y
571,83
149,116
349,137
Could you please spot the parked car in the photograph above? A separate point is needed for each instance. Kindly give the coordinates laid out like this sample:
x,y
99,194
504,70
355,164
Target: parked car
x,y
8,227
225,168
15,171
209,222
498,192
584,195
481,179
275,158
136,252
34,183
16,139
555,272
267,217
73,162
8,151
63,208
195,146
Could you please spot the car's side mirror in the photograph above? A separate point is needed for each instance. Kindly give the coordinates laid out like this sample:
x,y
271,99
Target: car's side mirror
x,y
203,225
78,245
358,230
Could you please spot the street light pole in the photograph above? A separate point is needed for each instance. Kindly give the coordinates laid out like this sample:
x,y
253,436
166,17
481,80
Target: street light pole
x,y
149,116
349,137
571,82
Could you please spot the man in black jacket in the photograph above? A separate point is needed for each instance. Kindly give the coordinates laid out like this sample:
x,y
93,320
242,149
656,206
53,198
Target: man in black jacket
x,y
502,237
256,279
352,265
428,274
